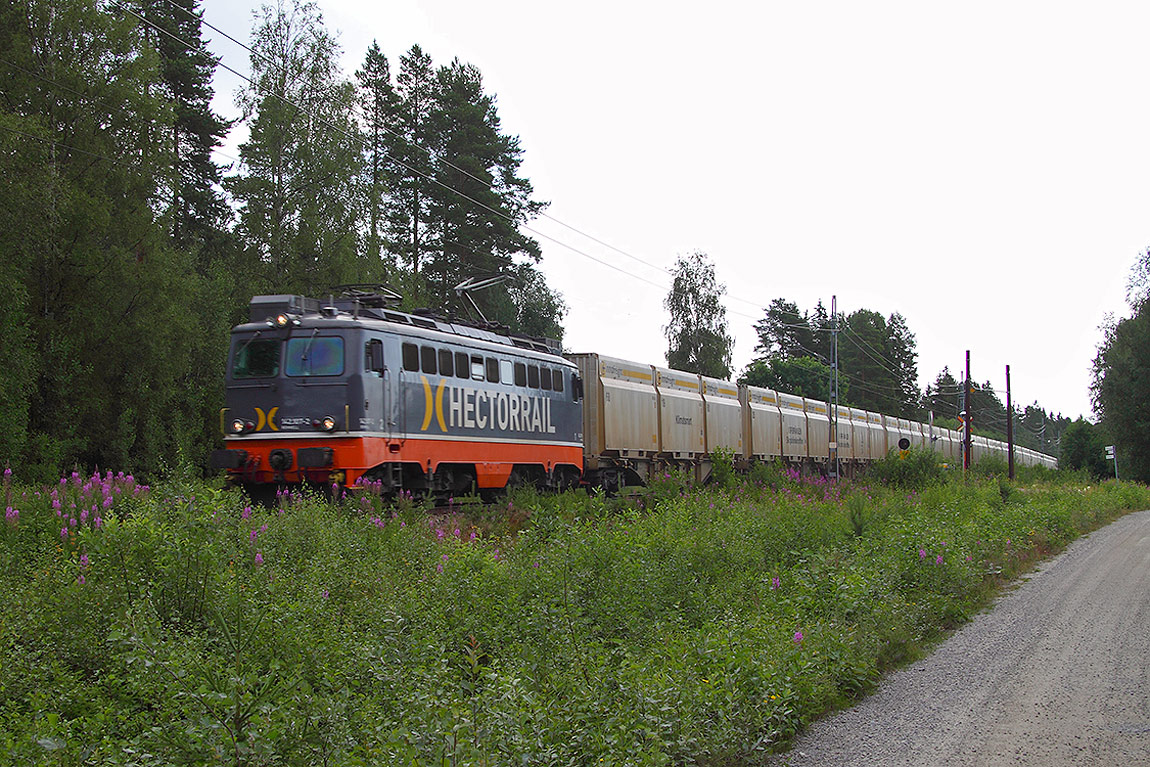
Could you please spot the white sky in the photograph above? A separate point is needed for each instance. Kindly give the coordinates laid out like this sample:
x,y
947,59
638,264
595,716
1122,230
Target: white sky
x,y
982,168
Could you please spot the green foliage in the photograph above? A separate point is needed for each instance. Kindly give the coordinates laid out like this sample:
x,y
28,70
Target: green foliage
x,y
786,334
697,337
878,361
723,468
878,357
298,196
914,469
804,376
1084,448
122,268
1121,391
706,625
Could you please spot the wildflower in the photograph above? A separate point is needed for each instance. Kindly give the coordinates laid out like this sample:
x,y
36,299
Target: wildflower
x,y
7,472
798,637
439,568
64,533
325,593
439,534
776,582
246,513
84,561
255,534
456,533
922,553
81,580
259,558
536,564
938,560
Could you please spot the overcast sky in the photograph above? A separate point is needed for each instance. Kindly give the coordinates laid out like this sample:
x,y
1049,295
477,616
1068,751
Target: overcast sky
x,y
982,168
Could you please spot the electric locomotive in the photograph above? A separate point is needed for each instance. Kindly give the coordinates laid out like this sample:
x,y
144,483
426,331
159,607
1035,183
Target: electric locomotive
x,y
351,390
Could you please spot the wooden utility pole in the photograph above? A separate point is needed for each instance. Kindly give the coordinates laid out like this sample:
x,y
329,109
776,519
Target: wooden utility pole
x,y
1009,428
968,416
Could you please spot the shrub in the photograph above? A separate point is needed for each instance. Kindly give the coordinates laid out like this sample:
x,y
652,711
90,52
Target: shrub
x,y
914,470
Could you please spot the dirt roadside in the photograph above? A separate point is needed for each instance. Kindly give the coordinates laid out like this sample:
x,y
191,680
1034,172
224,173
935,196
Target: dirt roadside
x,y
1057,673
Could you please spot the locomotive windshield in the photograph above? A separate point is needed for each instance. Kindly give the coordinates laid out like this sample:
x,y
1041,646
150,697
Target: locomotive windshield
x,y
315,356
257,358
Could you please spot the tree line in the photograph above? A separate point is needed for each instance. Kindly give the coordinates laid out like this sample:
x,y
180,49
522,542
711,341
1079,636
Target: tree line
x,y
877,360
129,250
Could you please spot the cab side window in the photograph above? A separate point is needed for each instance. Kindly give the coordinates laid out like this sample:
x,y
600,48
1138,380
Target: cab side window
x,y
427,357
411,357
446,363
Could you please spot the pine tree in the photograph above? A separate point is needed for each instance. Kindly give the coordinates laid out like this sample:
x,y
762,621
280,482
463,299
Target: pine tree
x,y
480,200
408,212
784,332
379,103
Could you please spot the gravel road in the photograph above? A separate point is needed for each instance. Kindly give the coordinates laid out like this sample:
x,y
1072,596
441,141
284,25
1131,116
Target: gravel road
x,y
1057,673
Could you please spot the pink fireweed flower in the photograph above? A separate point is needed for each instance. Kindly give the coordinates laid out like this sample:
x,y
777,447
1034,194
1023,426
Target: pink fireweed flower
x,y
456,533
246,513
439,568
64,533
439,534
938,561
98,523
259,558
922,553
798,637
81,580
776,582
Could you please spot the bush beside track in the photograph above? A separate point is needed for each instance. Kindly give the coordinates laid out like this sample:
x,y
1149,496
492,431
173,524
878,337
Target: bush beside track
x,y
678,626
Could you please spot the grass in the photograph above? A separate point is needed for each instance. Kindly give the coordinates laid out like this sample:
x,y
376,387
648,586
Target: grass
x,y
679,626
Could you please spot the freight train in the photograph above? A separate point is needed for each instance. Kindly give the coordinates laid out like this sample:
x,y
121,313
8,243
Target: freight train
x,y
349,390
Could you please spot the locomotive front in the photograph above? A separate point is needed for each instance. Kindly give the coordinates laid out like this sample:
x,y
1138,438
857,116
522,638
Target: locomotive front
x,y
335,393
294,393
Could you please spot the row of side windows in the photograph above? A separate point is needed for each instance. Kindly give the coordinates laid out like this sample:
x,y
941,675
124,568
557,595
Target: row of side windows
x,y
444,362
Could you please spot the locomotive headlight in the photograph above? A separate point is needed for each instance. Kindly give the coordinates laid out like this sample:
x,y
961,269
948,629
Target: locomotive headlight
x,y
283,319
328,423
240,426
